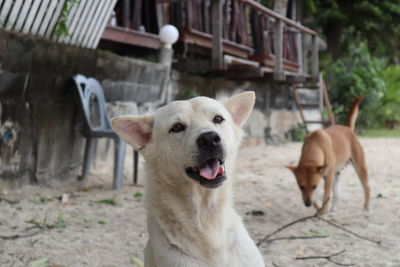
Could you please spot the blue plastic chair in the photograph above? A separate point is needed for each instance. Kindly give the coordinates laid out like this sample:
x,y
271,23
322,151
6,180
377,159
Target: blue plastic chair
x,y
90,92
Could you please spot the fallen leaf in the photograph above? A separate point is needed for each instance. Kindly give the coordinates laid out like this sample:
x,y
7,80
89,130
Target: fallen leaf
x,y
136,261
64,199
299,252
255,213
318,233
102,222
268,204
39,261
138,196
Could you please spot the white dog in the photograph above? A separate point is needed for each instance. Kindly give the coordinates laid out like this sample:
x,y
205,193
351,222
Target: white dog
x,y
190,148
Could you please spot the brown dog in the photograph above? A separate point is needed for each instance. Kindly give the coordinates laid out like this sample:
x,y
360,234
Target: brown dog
x,y
324,154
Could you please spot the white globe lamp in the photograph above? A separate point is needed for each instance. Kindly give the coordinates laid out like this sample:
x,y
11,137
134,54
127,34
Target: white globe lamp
x,y
168,34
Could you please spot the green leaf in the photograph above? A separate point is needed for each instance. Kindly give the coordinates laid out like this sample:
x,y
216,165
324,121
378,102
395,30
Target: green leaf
x,y
318,233
256,213
138,196
136,261
102,222
39,261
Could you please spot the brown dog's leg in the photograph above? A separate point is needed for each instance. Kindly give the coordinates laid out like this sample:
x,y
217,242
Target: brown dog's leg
x,y
358,161
328,189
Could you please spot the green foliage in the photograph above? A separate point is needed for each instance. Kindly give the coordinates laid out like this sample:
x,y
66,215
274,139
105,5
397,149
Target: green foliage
x,y
376,21
356,74
61,26
390,103
360,73
381,132
298,133
187,94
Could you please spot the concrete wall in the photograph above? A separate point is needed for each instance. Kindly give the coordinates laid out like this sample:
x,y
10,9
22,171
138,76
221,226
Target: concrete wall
x,y
40,123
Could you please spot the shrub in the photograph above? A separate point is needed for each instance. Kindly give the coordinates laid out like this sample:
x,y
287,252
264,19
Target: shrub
x,y
358,73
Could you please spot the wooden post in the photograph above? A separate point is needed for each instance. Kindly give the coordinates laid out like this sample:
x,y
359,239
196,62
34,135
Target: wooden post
x,y
217,50
299,50
304,54
314,58
278,43
126,8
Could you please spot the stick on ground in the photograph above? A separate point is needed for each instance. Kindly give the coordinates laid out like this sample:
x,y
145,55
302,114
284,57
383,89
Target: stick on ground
x,y
328,258
290,224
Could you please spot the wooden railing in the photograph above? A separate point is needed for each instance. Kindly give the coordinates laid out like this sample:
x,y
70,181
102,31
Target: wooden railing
x,y
241,28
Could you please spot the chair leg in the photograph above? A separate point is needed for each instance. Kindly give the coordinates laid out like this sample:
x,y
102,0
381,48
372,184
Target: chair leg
x,y
135,165
87,160
119,163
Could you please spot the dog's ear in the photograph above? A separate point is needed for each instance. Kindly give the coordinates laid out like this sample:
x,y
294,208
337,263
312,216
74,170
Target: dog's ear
x,y
321,169
240,106
292,168
135,130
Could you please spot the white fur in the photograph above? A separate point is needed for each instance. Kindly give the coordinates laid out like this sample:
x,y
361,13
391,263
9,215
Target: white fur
x,y
190,225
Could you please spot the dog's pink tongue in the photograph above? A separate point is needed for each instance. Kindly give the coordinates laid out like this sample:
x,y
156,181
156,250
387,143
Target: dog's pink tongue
x,y
211,170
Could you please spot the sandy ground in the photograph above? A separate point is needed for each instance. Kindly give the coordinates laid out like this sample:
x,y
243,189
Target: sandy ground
x,y
88,232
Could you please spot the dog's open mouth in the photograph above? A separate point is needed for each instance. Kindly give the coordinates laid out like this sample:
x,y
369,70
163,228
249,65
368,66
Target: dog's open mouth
x,y
210,173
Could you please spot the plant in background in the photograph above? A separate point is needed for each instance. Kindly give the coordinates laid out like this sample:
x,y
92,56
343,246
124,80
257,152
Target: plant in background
x,y
61,28
358,73
389,109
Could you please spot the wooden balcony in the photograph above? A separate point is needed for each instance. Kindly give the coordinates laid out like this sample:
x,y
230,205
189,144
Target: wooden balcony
x,y
237,38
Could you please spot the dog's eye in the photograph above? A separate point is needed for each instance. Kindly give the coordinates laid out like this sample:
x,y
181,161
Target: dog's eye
x,y
301,188
177,127
314,186
218,119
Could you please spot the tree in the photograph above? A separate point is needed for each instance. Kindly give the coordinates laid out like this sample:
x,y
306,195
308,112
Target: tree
x,y
377,21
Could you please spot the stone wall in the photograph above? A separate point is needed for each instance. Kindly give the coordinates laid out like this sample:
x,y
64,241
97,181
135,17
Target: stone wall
x,y
274,114
40,120
40,123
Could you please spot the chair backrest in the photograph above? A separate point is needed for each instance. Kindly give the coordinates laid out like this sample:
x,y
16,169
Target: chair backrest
x,y
90,91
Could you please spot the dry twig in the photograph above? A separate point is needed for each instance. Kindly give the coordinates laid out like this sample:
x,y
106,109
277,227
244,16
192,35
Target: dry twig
x,y
293,238
328,258
316,215
350,232
290,224
9,201
13,237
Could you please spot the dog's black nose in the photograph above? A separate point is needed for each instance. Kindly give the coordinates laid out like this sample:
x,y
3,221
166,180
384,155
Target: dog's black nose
x,y
308,203
208,140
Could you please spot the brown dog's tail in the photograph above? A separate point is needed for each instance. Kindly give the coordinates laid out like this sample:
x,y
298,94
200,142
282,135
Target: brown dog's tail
x,y
354,112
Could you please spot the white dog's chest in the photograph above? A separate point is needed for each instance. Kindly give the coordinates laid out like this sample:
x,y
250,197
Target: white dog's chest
x,y
241,252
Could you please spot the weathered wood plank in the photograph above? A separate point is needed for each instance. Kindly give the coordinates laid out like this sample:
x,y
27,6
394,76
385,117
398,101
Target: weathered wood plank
x,y
109,8
40,16
47,17
22,15
97,28
137,15
93,23
278,47
74,26
304,53
216,55
84,25
31,17
74,8
53,22
13,15
314,57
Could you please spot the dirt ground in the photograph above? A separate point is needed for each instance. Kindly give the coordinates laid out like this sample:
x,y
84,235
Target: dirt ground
x,y
101,227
